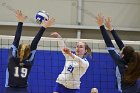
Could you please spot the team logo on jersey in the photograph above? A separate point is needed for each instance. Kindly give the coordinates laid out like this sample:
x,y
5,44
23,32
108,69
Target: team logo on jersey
x,y
70,68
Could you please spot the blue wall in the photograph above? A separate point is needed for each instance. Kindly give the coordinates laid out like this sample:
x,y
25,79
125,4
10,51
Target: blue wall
x,y
48,64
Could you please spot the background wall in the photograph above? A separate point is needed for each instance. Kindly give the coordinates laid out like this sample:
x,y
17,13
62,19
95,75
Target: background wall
x,y
70,33
125,15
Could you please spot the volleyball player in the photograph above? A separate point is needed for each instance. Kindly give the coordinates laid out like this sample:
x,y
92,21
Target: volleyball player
x,y
75,67
21,57
128,61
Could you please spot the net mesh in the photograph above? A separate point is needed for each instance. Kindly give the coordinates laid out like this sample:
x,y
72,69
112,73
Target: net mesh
x,y
49,62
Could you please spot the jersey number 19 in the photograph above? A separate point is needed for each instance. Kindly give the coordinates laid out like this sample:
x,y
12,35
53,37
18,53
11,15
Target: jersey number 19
x,y
23,72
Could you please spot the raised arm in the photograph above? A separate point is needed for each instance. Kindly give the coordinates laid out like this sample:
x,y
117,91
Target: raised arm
x,y
114,34
100,21
107,40
36,39
40,32
61,43
20,18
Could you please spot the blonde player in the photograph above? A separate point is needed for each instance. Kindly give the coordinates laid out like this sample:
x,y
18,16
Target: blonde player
x,y
21,57
75,67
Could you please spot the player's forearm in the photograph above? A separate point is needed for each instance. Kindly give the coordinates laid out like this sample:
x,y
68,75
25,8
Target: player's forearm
x,y
106,37
117,39
71,55
18,34
37,38
61,44
80,61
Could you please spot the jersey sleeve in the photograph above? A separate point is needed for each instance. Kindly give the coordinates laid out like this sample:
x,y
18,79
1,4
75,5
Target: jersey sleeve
x,y
34,46
117,39
18,34
14,47
82,62
114,54
32,55
106,37
37,38
110,46
62,45
30,59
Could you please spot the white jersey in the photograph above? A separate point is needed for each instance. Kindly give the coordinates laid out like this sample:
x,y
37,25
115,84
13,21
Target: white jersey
x,y
73,70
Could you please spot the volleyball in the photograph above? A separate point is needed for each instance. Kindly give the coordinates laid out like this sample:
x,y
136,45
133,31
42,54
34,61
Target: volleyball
x,y
41,15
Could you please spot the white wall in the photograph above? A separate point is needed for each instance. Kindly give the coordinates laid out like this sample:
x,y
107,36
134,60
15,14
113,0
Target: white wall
x,y
125,13
61,10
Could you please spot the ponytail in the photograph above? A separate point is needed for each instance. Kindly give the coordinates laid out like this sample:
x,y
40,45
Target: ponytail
x,y
132,73
89,52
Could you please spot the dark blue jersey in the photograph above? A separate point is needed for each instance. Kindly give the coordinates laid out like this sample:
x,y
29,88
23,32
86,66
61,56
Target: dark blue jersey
x,y
17,72
120,62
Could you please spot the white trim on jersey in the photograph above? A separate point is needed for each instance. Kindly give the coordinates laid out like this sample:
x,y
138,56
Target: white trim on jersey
x,y
110,48
14,50
118,75
7,78
32,56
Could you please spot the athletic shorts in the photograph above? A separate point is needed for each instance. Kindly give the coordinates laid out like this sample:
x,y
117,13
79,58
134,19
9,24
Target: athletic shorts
x,y
62,89
16,90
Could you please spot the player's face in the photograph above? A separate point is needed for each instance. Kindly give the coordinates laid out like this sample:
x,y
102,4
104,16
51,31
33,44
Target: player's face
x,y
80,49
24,51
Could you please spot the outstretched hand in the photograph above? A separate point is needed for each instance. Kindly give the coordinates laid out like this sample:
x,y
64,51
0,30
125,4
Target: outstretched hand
x,y
48,23
66,50
55,35
108,23
99,19
20,16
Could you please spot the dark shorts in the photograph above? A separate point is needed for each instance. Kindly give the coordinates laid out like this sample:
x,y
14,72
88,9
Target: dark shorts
x,y
62,89
15,90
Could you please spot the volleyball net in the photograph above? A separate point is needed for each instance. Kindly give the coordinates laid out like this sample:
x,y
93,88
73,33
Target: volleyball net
x,y
49,62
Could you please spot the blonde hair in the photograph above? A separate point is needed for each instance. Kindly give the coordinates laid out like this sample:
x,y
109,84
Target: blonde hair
x,y
23,51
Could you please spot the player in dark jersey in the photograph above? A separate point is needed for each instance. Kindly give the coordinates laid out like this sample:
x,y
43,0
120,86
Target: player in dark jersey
x,y
128,61
21,57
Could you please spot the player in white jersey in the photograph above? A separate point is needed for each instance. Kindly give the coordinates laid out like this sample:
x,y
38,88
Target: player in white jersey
x,y
75,67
